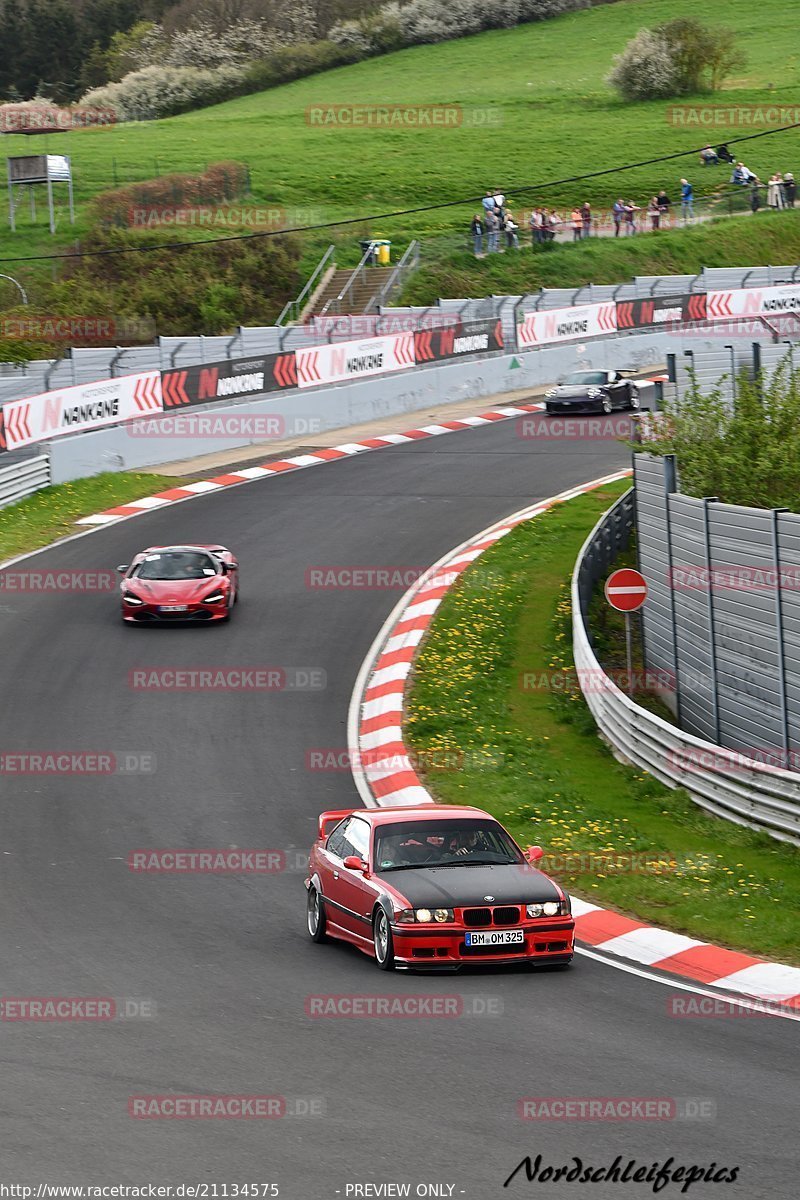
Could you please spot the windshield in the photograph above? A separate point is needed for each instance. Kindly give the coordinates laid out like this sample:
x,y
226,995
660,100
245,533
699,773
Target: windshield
x,y
177,564
579,377
464,842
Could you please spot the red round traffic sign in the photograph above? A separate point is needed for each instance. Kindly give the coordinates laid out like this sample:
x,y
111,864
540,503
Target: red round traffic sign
x,y
626,589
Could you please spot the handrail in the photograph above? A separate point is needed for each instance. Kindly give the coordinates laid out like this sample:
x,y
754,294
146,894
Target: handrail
x,y
295,307
358,274
409,262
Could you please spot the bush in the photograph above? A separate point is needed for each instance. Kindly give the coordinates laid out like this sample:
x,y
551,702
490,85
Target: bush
x,y
221,181
164,91
679,58
645,70
296,62
747,453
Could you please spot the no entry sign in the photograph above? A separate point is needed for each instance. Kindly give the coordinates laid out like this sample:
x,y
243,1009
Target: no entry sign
x,y
626,590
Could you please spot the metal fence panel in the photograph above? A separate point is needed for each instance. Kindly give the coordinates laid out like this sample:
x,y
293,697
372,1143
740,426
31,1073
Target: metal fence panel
x,y
23,478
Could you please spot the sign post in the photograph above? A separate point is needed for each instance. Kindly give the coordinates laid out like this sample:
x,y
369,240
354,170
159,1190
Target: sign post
x,y
626,591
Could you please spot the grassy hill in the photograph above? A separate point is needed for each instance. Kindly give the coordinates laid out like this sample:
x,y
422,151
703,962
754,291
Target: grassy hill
x,y
537,94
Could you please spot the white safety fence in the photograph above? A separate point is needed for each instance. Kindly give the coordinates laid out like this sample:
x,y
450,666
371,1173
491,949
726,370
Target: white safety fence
x,y
721,781
23,478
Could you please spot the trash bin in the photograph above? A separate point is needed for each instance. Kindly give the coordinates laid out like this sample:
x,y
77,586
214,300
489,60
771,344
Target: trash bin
x,y
383,251
368,249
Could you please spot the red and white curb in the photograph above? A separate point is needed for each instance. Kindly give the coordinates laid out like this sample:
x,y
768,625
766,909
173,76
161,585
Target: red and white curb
x,y
188,491
385,777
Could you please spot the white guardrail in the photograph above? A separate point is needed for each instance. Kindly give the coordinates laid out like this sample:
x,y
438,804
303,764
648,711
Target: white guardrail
x,y
23,478
721,781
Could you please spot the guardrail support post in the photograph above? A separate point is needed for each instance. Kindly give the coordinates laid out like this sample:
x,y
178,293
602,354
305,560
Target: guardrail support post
x,y
776,555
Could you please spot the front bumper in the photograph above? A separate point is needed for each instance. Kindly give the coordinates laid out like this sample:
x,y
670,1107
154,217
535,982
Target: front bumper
x,y
150,614
546,941
566,408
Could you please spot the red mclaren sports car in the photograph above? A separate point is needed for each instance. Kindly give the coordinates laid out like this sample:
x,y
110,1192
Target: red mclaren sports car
x,y
434,887
179,583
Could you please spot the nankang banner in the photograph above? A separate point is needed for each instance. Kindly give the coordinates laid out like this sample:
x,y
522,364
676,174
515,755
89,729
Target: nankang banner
x,y
227,379
456,341
566,324
661,310
340,361
78,409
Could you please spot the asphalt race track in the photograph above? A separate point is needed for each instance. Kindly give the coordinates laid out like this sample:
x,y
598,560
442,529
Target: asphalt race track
x,y
225,959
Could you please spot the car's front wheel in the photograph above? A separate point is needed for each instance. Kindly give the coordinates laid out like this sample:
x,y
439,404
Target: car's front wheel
x,y
607,404
382,940
315,916
634,399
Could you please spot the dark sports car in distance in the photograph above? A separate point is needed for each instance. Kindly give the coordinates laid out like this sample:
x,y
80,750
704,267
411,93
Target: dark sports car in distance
x,y
179,583
592,391
434,887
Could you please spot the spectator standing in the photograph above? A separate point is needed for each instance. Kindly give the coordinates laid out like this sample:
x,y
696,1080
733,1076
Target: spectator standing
x,y
664,203
631,210
492,230
586,218
554,221
789,189
477,230
510,226
775,192
499,203
488,202
687,201
654,213
755,198
576,220
617,213
535,225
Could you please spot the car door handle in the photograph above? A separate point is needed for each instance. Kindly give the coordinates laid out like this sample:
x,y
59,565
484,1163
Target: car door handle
x,y
335,874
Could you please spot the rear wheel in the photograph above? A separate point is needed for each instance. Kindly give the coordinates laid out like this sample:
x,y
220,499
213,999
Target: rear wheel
x,y
382,941
315,916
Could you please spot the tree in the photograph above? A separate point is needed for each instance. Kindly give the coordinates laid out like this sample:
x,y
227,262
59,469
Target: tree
x,y
677,58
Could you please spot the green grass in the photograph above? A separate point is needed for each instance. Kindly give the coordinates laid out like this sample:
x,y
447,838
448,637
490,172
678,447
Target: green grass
x,y
533,757
543,81
52,512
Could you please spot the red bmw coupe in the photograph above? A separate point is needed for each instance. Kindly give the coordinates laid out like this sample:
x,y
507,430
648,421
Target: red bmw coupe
x,y
179,583
434,887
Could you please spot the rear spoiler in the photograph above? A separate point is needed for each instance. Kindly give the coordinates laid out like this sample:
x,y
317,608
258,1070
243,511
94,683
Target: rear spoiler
x,y
327,820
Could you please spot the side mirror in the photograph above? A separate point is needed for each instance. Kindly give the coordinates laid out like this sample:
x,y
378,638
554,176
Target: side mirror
x,y
534,853
230,566
354,863
123,568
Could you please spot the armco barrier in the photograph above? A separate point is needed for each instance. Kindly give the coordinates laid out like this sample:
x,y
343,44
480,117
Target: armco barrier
x,y
127,397
22,479
720,781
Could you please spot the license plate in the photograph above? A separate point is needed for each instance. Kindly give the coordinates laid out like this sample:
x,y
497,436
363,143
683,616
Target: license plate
x,y
496,937
173,608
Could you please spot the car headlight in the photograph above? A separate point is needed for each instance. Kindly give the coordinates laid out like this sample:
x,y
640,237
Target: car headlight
x,y
213,598
550,392
423,915
594,393
129,598
443,915
548,908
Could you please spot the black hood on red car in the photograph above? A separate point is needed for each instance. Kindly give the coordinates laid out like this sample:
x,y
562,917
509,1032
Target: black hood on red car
x,y
468,887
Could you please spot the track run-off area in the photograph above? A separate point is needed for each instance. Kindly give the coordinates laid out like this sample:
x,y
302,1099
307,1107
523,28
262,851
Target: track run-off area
x,y
218,970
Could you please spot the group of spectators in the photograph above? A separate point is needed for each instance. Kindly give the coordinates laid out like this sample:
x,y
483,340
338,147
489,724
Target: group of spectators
x,y
781,189
496,221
